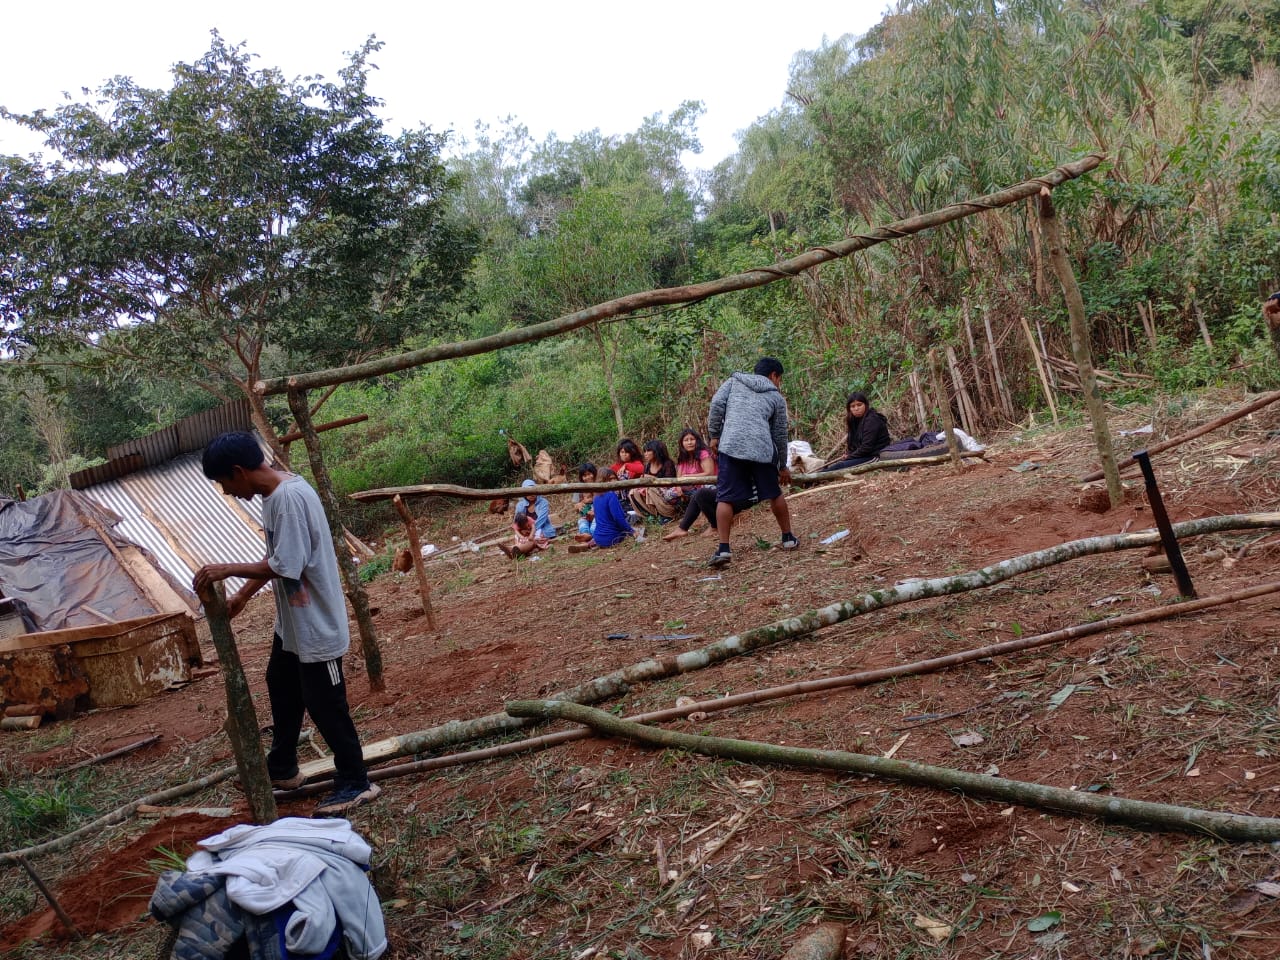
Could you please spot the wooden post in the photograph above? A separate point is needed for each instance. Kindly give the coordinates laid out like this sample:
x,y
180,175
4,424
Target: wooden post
x,y
944,407
350,578
415,548
50,898
1147,313
1080,348
242,719
1044,378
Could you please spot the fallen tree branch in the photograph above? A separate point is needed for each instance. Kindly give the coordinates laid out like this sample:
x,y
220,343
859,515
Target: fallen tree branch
x,y
1223,826
118,815
541,489
860,679
612,684
112,754
1222,421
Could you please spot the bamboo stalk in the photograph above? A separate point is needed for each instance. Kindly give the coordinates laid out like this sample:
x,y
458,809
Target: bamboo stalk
x,y
944,408
922,421
1222,826
1222,421
1006,401
415,548
758,277
112,754
350,578
862,678
968,413
1044,378
804,624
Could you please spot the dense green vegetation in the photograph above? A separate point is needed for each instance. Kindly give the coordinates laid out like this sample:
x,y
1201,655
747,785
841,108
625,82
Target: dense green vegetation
x,y
1175,241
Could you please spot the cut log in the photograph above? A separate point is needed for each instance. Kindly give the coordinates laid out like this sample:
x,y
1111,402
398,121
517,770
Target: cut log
x,y
1220,826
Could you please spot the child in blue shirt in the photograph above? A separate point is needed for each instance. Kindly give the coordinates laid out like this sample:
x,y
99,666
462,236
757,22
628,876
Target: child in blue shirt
x,y
540,510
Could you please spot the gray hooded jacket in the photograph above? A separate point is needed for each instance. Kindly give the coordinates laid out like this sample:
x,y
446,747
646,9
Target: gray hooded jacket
x,y
749,417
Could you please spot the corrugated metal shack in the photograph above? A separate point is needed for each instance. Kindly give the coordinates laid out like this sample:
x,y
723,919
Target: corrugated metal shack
x,y
168,506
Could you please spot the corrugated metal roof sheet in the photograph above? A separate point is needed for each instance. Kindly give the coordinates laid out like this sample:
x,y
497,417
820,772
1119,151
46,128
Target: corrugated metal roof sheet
x,y
183,519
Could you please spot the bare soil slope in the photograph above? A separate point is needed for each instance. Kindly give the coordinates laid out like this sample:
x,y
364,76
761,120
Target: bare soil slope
x,y
604,848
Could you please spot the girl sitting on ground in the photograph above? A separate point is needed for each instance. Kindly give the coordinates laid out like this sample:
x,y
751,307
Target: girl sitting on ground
x,y
867,433
586,504
693,460
630,463
526,538
665,503
611,519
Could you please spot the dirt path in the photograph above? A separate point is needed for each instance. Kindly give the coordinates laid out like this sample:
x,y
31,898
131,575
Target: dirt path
x,y
573,852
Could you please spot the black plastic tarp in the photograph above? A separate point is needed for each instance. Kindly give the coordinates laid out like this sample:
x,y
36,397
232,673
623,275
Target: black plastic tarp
x,y
55,562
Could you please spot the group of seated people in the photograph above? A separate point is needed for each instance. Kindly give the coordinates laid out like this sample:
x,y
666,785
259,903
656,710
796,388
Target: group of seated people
x,y
605,519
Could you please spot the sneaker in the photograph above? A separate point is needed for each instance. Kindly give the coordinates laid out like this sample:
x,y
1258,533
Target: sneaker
x,y
343,799
720,558
633,516
789,541
289,783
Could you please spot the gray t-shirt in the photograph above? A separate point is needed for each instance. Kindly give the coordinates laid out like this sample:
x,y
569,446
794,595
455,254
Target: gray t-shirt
x,y
311,613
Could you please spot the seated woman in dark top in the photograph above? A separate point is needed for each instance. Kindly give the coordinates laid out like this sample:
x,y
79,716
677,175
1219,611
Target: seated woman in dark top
x,y
868,433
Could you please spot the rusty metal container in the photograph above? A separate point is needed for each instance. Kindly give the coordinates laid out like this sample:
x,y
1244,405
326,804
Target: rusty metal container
x,y
121,663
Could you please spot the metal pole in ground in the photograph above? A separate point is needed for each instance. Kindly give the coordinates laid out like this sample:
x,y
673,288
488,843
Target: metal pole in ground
x,y
1172,551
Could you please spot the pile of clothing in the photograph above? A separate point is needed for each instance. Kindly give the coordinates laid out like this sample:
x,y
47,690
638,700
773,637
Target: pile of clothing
x,y
294,888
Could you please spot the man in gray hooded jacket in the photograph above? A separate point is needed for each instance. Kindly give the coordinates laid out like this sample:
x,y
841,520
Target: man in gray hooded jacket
x,y
748,427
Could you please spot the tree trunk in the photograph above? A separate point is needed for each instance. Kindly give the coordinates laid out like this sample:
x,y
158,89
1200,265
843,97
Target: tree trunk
x,y
258,414
350,578
1080,348
1220,826
242,719
607,364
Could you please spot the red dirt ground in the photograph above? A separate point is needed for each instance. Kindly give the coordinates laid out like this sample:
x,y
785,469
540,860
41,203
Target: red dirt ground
x,y
1180,711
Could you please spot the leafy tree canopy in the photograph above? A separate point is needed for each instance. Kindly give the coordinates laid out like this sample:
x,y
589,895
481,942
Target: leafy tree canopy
x,y
235,217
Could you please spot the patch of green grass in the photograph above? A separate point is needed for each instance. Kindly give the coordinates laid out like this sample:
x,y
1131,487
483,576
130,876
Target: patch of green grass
x,y
375,567
32,811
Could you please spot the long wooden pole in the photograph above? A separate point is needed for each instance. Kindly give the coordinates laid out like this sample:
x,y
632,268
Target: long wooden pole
x,y
804,624
1221,826
415,548
1255,404
861,679
1044,377
350,578
944,408
668,296
242,719
1081,349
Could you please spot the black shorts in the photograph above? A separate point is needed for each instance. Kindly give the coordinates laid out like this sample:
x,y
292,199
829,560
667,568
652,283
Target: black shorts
x,y
742,481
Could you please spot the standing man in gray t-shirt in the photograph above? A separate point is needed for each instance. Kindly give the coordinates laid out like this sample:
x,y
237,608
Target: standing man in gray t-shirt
x,y
304,673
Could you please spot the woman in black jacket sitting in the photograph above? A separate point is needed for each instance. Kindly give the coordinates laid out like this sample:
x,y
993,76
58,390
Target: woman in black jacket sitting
x,y
868,433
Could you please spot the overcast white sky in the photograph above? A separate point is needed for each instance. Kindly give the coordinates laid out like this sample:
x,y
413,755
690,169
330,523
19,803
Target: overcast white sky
x,y
561,66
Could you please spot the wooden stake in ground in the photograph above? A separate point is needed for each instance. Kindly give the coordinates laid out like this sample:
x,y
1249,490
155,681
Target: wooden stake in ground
x,y
242,719
1080,348
415,548
350,578
53,901
944,408
1221,826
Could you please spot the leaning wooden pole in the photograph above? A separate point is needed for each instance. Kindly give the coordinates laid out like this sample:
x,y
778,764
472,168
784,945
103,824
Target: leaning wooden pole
x,y
350,578
783,270
1222,826
1080,348
415,548
242,719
